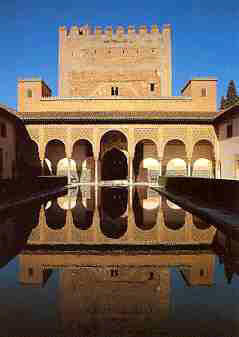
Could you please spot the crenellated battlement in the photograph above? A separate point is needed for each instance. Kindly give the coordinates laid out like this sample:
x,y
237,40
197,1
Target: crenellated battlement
x,y
86,30
136,60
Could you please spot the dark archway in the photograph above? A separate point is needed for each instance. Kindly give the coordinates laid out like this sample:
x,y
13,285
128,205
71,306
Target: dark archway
x,y
114,165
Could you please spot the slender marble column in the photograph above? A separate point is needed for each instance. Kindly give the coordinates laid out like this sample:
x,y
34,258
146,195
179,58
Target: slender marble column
x,y
96,171
130,170
69,171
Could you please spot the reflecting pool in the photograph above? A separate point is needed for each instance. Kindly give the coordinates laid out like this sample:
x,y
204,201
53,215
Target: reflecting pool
x,y
115,262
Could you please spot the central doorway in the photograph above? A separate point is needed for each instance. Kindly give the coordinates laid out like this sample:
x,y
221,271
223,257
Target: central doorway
x,y
114,165
113,156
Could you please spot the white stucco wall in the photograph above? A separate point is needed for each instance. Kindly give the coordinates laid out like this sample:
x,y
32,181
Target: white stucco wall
x,y
229,156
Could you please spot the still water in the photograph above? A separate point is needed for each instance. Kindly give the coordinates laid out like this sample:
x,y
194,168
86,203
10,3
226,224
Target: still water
x,y
115,262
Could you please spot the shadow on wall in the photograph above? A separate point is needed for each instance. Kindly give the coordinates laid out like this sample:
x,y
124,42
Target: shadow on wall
x,y
28,162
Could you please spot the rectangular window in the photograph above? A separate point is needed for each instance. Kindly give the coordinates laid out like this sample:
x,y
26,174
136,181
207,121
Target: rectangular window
x,y
204,92
1,163
114,91
3,130
29,93
229,130
237,169
152,86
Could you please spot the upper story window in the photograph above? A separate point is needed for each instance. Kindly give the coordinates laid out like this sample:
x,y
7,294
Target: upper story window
x,y
152,86
3,130
29,93
114,91
204,92
229,130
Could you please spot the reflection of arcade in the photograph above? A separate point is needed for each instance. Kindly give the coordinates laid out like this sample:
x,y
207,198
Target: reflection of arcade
x,y
83,211
98,293
114,219
117,215
145,209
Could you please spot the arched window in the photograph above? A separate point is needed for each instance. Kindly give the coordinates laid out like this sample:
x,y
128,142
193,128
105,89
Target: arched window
x,y
29,93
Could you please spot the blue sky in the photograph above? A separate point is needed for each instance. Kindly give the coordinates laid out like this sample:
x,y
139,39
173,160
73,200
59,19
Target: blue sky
x,y
205,36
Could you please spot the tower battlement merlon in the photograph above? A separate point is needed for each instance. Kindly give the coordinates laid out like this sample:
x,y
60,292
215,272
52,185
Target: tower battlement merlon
x,y
76,31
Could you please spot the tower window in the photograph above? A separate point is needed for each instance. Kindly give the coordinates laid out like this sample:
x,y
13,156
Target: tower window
x,y
229,130
3,130
114,272
152,86
29,93
1,162
204,92
30,272
114,91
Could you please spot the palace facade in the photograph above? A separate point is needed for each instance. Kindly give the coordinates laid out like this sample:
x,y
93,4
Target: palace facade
x,y
227,127
115,117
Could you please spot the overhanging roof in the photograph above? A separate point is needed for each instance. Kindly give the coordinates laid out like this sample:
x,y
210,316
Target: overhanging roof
x,y
118,116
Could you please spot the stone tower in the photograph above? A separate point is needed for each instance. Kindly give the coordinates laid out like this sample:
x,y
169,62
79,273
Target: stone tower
x,y
115,62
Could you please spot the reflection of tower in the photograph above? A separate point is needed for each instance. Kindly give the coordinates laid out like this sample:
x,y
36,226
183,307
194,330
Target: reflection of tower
x,y
201,273
100,293
31,273
102,300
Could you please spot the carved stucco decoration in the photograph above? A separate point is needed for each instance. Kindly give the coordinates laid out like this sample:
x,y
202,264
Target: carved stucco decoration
x,y
56,132
102,131
81,133
178,132
34,133
205,133
146,133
